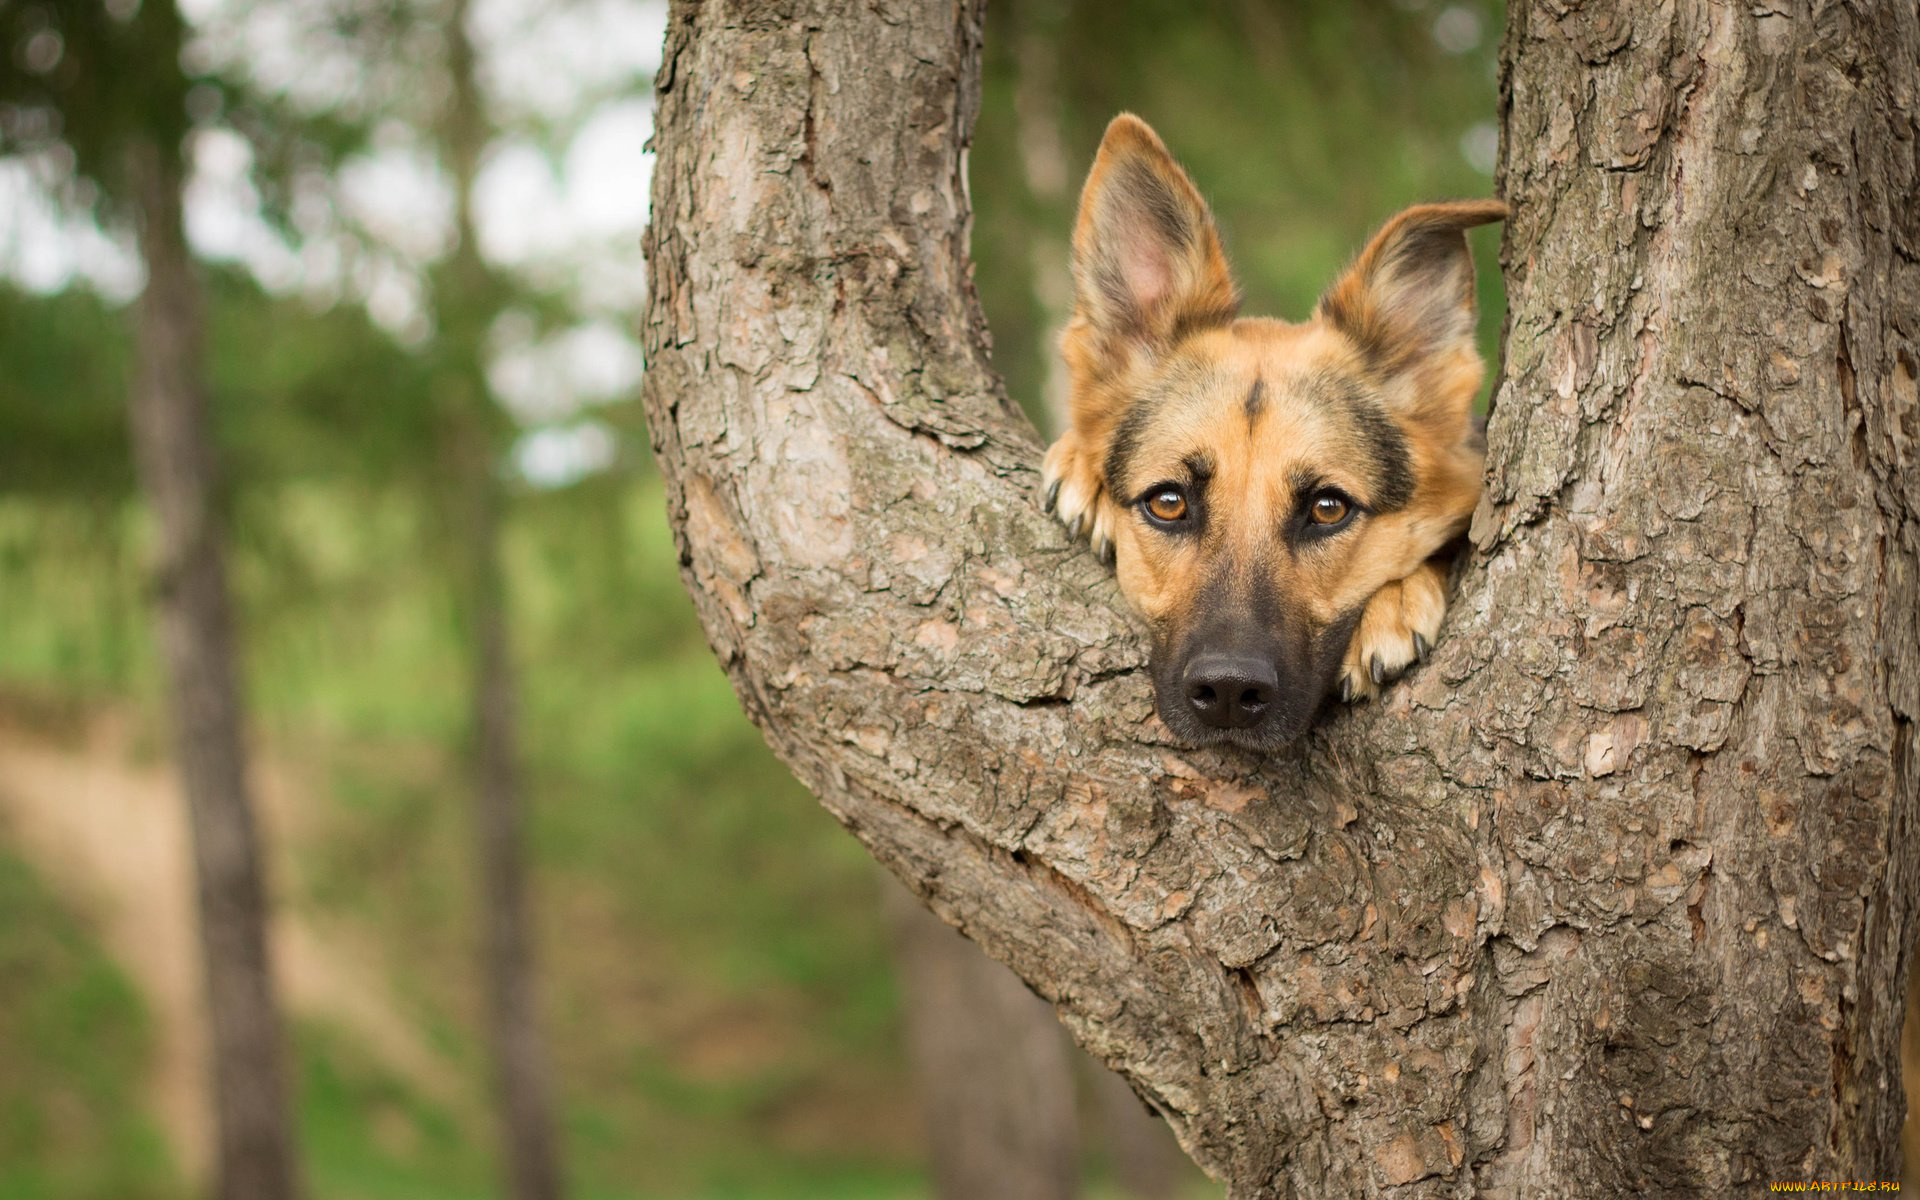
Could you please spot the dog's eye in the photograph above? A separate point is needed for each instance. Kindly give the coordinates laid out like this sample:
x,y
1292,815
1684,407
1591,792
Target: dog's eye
x,y
1166,504
1329,508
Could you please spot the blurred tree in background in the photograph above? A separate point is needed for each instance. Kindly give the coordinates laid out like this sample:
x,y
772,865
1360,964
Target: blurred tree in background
x,y
467,297
107,90
713,955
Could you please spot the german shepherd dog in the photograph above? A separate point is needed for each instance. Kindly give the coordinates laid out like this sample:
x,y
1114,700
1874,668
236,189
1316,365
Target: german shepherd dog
x,y
1272,495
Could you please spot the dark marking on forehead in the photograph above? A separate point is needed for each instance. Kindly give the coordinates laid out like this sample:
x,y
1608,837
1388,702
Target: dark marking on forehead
x,y
1256,401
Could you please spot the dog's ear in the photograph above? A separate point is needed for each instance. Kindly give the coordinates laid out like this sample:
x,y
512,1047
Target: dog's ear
x,y
1407,300
1147,265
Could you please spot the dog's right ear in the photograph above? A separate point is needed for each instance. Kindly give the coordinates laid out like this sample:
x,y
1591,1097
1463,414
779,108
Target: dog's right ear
x,y
1147,265
1406,303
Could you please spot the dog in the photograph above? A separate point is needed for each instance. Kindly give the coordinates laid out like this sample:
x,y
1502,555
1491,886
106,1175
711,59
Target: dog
x,y
1272,496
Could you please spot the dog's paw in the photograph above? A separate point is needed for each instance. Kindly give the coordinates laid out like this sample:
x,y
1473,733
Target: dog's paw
x,y
1396,630
1073,490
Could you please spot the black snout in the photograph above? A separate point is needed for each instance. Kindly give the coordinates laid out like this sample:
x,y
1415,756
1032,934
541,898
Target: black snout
x,y
1231,691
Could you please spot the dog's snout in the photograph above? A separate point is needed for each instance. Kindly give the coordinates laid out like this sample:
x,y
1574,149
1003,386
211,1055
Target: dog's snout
x,y
1231,691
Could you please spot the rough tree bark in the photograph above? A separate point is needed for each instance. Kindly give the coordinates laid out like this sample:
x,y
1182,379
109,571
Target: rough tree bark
x,y
1613,895
174,450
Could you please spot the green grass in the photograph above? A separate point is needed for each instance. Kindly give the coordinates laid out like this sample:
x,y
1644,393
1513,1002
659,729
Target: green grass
x,y
367,1135
73,1054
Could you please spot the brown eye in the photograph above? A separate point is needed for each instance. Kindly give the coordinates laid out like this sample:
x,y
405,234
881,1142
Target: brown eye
x,y
1167,504
1328,509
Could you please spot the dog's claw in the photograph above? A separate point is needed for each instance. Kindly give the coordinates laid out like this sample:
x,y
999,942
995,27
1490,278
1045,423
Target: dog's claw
x,y
1420,647
1104,551
1378,670
1052,497
1346,689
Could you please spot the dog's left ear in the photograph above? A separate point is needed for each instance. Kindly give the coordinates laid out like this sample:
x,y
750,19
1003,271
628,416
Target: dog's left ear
x,y
1407,301
1147,264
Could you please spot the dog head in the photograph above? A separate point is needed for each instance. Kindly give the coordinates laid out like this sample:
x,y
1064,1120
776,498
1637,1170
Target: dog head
x,y
1263,479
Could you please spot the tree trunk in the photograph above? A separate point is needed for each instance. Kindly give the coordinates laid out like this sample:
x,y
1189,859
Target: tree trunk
x,y
520,1060
1613,895
173,446
990,1067
466,304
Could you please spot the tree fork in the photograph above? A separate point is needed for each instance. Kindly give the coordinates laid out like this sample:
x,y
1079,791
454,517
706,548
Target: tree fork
x,y
1613,895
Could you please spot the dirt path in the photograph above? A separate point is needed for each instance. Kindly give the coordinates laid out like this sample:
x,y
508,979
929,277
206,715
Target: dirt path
x,y
108,833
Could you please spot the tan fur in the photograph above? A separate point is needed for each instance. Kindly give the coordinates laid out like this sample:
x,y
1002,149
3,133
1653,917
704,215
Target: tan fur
x,y
1103,347
1159,362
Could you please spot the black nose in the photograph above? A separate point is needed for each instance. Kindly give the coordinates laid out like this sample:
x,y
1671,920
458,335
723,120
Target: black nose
x,y
1231,691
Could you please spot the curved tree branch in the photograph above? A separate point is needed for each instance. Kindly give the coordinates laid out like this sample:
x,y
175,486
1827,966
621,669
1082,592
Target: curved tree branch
x,y
1601,899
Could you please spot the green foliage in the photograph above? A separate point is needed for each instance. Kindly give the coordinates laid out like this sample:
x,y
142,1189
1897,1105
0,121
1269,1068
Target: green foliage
x,y
305,392
63,427
73,1054
88,80
74,617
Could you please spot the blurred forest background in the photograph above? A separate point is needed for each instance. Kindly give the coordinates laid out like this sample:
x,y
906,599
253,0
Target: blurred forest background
x,y
415,228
